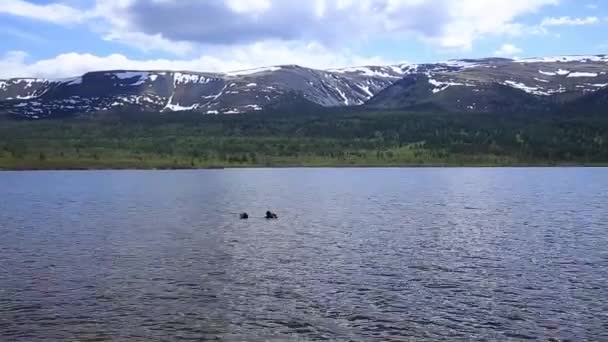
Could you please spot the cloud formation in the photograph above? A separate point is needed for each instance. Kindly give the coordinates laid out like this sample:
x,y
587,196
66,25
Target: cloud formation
x,y
18,64
442,23
508,50
55,12
327,21
570,21
223,35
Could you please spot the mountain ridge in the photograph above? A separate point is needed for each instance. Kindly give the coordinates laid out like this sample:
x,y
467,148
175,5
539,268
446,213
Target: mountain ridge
x,y
478,85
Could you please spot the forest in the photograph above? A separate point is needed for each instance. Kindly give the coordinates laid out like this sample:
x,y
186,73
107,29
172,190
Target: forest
x,y
314,137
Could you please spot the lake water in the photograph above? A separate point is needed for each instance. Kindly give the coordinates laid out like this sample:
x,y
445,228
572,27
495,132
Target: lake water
x,y
357,254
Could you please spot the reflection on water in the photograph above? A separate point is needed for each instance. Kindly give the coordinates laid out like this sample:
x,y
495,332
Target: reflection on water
x,y
357,254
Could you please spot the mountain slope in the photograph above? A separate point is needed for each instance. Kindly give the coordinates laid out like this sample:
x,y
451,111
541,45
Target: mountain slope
x,y
593,103
238,92
481,85
417,92
498,85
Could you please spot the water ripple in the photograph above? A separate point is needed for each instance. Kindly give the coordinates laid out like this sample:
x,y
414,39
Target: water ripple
x,y
357,255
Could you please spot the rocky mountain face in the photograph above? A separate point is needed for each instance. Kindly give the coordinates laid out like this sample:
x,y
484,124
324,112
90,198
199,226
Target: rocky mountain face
x,y
167,91
499,85
483,85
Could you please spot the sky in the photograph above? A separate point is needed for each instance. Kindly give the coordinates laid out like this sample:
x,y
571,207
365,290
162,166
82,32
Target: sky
x,y
64,38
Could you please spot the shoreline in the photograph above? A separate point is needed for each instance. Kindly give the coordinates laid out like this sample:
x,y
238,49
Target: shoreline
x,y
337,166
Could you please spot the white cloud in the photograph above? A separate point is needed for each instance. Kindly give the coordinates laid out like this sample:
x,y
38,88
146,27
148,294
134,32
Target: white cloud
x,y
149,43
17,64
591,6
508,50
223,35
569,21
471,20
54,12
249,6
158,24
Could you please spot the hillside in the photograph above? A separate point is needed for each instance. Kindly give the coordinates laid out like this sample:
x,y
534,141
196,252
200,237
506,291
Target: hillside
x,y
478,86
343,138
499,85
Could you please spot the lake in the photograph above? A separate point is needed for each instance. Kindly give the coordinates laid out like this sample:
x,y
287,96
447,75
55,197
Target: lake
x,y
356,255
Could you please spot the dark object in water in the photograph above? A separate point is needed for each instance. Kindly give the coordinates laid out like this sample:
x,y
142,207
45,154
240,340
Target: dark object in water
x,y
271,216
244,216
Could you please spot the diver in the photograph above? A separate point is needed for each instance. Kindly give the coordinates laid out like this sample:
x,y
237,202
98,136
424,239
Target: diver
x,y
244,216
271,216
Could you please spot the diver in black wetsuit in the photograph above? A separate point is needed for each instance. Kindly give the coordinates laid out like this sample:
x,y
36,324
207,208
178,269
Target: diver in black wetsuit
x,y
271,216
244,216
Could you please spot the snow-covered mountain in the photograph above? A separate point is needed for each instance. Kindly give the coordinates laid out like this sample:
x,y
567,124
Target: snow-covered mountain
x,y
208,93
463,85
496,84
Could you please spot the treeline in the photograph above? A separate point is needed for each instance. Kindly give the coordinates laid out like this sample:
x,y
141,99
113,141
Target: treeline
x,y
316,138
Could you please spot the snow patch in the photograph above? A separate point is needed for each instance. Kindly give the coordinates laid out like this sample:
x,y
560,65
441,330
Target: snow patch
x,y
365,71
216,96
441,86
135,77
563,59
560,72
178,108
30,81
559,90
527,89
131,74
343,95
583,74
460,64
396,69
26,97
367,91
252,85
254,107
252,71
182,78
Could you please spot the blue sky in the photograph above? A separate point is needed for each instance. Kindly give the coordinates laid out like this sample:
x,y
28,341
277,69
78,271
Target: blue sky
x,y
53,38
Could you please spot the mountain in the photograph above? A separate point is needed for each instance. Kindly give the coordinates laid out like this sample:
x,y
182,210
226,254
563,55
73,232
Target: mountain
x,y
208,93
592,103
498,85
470,85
